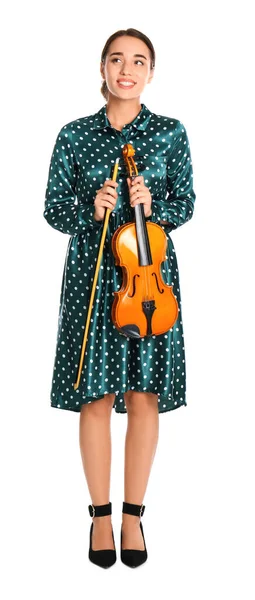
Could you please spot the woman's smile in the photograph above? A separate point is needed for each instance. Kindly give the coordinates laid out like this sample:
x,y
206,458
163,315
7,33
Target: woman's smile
x,y
126,83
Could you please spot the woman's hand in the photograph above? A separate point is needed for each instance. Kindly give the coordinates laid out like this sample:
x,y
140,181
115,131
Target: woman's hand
x,y
140,194
106,197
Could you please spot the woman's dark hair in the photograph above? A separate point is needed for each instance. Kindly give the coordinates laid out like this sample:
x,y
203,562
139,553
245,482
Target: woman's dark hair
x,y
132,33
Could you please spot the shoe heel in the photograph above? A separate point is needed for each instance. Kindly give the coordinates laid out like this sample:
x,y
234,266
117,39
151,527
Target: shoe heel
x,y
133,558
102,558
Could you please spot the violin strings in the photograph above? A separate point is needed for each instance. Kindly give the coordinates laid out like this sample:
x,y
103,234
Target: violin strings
x,y
132,173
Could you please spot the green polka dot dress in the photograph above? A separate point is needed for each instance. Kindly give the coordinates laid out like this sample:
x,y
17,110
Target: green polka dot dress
x,y
82,159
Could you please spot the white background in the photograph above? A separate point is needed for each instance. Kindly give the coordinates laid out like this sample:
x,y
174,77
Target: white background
x,y
199,518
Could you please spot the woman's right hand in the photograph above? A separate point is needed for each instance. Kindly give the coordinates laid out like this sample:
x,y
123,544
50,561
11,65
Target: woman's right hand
x,y
106,197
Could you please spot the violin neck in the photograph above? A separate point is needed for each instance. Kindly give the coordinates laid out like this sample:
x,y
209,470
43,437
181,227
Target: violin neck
x,y
144,250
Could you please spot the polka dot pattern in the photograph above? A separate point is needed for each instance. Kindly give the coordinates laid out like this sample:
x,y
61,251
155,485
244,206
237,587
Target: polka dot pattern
x,y
82,159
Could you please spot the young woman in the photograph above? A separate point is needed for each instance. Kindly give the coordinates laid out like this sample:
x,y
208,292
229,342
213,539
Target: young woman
x,y
141,377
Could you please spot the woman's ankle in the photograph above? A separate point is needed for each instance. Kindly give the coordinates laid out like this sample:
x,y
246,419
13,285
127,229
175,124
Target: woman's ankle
x,y
130,519
102,521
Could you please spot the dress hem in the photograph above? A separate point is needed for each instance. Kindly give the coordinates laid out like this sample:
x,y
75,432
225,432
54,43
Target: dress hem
x,y
78,407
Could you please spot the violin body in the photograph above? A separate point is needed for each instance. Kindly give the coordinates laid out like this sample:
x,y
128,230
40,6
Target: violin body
x,y
145,305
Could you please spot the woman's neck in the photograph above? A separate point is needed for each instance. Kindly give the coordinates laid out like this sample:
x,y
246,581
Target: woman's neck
x,y
120,112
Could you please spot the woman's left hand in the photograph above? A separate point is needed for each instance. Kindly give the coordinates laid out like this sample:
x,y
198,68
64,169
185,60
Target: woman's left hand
x,y
140,194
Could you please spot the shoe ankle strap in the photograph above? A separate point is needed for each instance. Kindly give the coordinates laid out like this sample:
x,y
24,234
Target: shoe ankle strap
x,y
133,509
101,510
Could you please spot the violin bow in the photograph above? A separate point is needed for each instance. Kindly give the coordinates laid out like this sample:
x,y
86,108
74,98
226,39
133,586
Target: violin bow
x,y
100,252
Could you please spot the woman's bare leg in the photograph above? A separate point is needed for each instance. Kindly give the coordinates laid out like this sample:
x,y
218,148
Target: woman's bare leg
x,y
140,448
95,446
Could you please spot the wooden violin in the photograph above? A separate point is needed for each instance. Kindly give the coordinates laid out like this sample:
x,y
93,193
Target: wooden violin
x,y
145,305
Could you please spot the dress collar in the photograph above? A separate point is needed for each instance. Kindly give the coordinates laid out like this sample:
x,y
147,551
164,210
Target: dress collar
x,y
140,121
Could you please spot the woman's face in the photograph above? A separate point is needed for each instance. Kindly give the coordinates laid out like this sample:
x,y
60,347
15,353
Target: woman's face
x,y
128,59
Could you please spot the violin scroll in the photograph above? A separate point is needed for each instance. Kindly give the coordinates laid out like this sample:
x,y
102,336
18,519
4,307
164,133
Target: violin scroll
x,y
128,152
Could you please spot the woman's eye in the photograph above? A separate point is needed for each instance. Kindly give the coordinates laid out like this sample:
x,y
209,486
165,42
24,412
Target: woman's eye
x,y
137,61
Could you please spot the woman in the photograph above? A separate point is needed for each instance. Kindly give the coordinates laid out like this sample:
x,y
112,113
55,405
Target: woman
x,y
141,377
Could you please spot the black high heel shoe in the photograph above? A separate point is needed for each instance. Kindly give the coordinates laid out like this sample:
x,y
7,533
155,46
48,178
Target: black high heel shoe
x,y
102,558
133,558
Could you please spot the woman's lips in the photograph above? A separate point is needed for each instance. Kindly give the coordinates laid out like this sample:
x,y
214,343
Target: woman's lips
x,y
126,85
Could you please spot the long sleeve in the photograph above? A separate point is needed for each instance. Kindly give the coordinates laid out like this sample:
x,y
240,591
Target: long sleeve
x,y
178,207
60,210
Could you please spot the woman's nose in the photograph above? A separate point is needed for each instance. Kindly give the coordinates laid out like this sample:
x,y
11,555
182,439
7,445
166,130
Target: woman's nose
x,y
126,70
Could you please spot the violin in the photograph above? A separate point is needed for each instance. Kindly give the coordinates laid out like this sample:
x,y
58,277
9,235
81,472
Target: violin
x,y
145,305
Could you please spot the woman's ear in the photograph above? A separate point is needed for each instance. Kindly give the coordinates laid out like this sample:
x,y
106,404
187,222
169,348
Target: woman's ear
x,y
151,76
102,70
